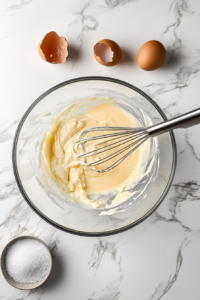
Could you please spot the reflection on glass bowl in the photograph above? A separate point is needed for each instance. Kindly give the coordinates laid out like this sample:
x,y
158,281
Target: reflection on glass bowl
x,y
147,194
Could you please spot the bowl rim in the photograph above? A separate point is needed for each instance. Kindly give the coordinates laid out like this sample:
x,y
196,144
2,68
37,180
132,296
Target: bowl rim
x,y
74,231
11,281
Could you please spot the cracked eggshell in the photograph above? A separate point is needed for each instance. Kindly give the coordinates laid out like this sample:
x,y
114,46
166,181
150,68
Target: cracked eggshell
x,y
53,48
107,53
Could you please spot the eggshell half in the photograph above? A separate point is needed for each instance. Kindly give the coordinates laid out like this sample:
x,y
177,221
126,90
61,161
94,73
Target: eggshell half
x,y
107,53
53,48
151,55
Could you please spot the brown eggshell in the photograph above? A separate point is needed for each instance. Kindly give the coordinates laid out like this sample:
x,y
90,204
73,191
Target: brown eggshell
x,y
151,55
107,53
53,48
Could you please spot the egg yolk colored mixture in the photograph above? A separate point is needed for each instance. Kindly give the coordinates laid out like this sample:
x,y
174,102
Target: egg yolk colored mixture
x,y
71,174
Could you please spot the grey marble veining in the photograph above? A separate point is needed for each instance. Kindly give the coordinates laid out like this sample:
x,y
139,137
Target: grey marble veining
x,y
159,259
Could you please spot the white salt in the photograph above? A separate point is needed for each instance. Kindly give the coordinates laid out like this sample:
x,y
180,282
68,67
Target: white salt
x,y
27,260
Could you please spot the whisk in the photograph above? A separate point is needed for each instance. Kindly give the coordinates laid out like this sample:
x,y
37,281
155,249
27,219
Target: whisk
x,y
128,138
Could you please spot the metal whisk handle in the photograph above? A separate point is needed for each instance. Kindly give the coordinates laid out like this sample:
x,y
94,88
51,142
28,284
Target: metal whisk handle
x,y
184,121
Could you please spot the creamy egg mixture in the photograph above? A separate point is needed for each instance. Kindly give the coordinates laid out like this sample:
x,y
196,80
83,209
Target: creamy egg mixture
x,y
71,175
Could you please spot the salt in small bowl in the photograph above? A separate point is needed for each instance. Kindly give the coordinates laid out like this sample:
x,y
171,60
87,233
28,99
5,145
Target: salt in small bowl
x,y
19,285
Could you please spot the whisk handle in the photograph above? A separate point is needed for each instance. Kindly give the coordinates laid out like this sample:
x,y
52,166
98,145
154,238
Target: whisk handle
x,y
184,121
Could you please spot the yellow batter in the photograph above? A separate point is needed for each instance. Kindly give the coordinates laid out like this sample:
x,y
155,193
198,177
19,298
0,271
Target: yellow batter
x,y
71,174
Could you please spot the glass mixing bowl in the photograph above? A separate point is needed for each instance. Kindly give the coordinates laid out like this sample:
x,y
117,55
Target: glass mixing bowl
x,y
74,218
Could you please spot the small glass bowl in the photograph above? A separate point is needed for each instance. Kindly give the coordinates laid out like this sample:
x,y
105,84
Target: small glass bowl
x,y
74,218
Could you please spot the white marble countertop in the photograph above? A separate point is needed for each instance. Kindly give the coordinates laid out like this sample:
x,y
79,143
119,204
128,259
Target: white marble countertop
x,y
160,258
